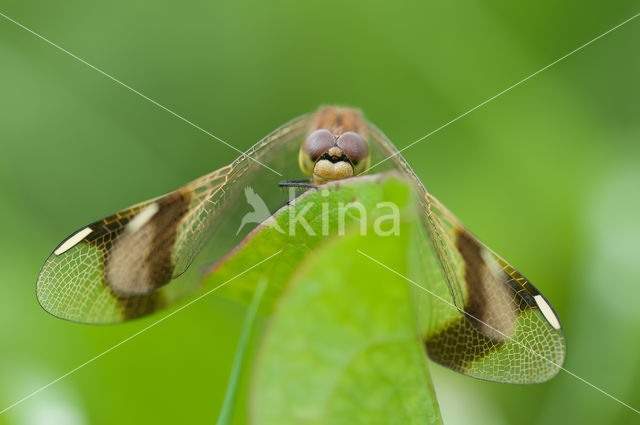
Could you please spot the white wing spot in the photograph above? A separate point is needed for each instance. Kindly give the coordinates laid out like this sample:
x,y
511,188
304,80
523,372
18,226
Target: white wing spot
x,y
72,241
547,312
142,218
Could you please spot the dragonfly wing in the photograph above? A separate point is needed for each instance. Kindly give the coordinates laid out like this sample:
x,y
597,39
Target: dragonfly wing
x,y
107,271
117,268
484,318
505,329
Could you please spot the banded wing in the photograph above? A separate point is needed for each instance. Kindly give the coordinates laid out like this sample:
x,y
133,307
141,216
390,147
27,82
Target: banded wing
x,y
116,268
507,330
486,320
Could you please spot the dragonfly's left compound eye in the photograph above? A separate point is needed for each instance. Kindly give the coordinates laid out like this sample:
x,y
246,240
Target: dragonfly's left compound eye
x,y
313,147
318,143
357,149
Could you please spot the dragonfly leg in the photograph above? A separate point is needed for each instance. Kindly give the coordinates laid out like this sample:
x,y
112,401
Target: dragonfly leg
x,y
297,184
304,184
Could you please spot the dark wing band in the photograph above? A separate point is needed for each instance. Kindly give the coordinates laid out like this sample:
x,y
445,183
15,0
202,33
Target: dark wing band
x,y
493,323
117,268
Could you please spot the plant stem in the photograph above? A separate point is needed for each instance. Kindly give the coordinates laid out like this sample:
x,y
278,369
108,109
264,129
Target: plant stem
x,y
226,412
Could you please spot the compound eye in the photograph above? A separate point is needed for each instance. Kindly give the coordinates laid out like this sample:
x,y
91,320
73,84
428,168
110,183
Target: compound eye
x,y
317,143
354,146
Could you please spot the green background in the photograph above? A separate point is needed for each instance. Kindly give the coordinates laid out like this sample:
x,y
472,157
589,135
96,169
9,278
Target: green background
x,y
548,174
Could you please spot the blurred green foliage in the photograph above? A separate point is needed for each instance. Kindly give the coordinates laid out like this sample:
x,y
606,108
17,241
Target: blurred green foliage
x,y
547,174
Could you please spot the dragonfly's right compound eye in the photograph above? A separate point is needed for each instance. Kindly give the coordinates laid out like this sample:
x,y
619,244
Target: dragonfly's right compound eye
x,y
316,144
356,149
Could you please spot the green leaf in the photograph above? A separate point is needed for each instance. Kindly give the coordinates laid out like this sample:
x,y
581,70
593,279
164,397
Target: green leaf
x,y
342,344
296,243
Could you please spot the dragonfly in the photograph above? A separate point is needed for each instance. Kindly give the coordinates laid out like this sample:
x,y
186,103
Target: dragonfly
x,y
118,268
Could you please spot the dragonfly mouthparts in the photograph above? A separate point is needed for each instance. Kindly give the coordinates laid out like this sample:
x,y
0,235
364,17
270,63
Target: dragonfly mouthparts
x,y
335,154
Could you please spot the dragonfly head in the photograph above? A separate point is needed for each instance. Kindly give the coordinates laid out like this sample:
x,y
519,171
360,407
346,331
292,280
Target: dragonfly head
x,y
327,157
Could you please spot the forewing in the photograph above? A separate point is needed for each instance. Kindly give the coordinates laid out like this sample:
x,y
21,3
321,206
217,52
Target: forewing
x,y
117,268
484,318
107,271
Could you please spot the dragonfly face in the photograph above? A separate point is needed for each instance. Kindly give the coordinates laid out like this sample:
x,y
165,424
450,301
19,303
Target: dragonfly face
x,y
118,268
336,148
